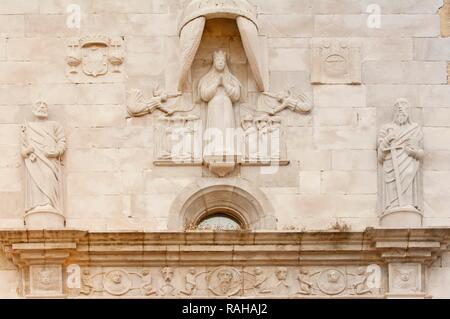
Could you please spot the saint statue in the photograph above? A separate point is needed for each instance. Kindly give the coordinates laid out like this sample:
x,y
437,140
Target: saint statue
x,y
400,153
219,89
43,145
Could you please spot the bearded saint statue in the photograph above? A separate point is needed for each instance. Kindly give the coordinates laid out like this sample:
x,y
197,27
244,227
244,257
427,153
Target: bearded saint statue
x,y
400,153
43,145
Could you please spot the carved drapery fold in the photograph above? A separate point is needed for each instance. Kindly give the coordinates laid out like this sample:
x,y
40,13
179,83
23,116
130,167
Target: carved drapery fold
x,y
190,38
250,40
191,28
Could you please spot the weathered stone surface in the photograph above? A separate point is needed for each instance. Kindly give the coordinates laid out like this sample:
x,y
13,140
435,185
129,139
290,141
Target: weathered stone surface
x,y
404,72
339,96
432,49
116,180
344,182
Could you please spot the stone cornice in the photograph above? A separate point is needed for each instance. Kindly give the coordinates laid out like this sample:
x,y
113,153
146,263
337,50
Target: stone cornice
x,y
217,248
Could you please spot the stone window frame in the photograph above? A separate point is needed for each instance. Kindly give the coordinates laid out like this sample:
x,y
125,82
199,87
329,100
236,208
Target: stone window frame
x,y
238,198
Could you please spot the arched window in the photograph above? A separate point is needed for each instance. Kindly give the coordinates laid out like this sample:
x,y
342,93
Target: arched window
x,y
216,206
221,221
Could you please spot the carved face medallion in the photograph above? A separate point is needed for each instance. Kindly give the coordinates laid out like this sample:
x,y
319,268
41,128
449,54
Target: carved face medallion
x,y
224,281
45,280
117,282
332,281
281,273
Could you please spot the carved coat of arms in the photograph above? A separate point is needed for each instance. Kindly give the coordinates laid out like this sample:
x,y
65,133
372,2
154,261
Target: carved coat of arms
x,y
95,59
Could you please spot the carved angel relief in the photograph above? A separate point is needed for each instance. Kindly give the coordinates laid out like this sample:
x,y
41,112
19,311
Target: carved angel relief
x,y
94,56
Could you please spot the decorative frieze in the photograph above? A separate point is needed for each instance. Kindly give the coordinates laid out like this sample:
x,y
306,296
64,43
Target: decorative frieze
x,y
371,264
232,281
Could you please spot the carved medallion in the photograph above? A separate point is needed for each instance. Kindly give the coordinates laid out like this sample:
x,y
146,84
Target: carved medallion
x,y
117,282
405,278
332,281
46,280
225,281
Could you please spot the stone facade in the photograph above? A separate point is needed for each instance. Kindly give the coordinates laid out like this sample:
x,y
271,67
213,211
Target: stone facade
x,y
324,194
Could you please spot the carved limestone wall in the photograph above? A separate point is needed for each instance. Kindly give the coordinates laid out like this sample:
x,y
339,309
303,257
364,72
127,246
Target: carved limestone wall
x,y
323,76
327,152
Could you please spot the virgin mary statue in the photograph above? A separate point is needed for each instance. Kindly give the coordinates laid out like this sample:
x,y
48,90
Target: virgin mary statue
x,y
219,89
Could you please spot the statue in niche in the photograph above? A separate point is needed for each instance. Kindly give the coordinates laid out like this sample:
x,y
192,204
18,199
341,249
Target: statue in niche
x,y
288,100
219,88
137,105
400,153
43,145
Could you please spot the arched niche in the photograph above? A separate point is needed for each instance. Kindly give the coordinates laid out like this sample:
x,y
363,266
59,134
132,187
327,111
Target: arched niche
x,y
236,198
192,24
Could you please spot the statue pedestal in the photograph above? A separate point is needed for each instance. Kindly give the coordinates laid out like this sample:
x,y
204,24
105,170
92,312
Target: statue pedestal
x,y
221,165
402,217
44,218
222,169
